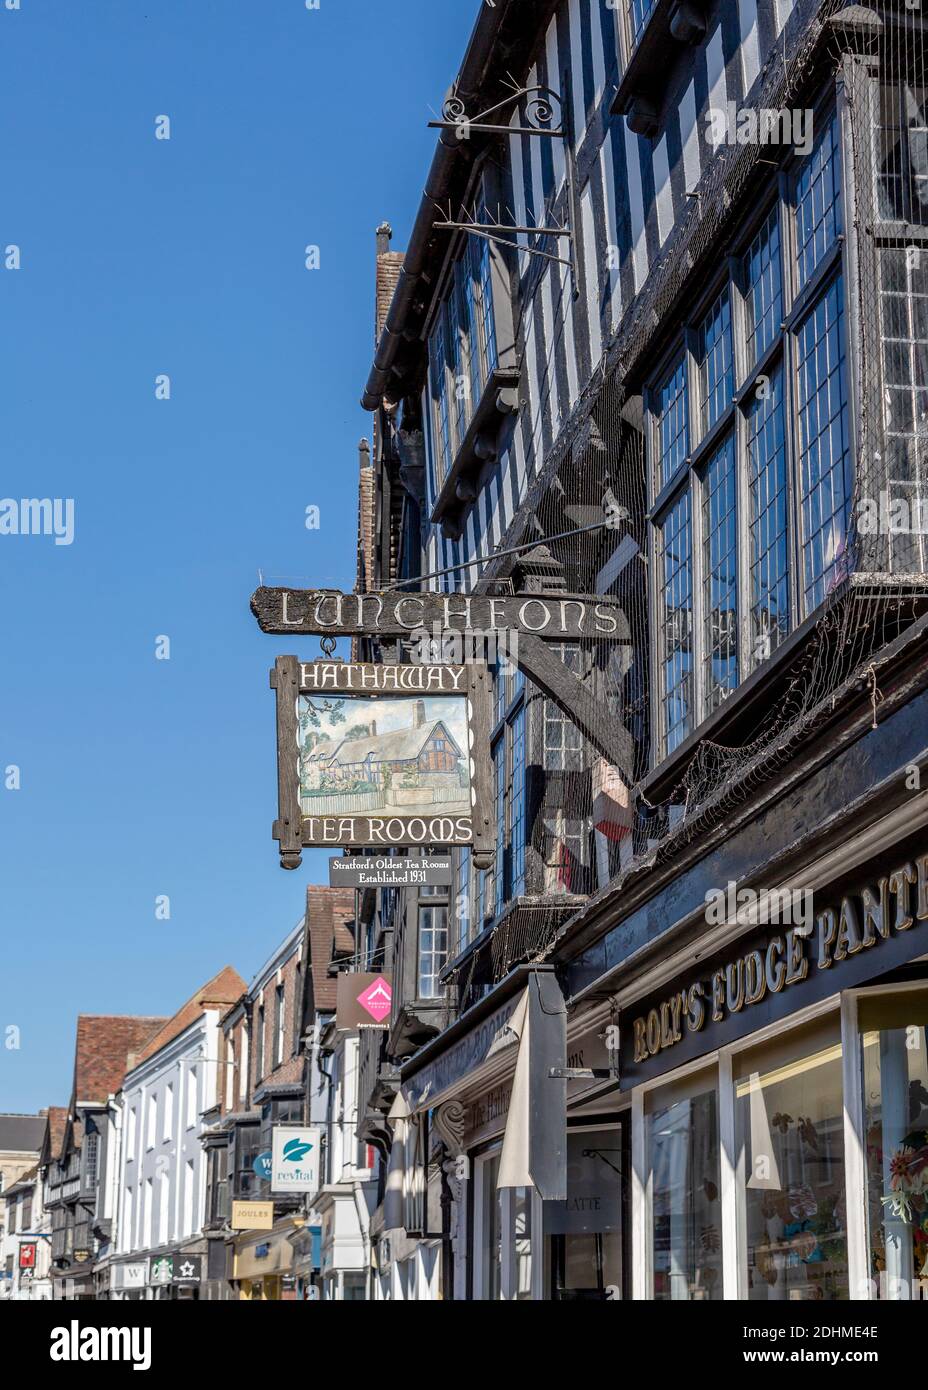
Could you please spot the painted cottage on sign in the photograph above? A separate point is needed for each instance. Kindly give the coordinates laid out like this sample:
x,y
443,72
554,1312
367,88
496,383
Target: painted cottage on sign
x,y
424,749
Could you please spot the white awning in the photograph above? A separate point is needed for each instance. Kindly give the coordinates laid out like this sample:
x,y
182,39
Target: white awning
x,y
395,1187
514,1159
534,1150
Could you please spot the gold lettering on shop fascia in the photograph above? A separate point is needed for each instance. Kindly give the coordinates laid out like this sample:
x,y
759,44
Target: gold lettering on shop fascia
x,y
898,902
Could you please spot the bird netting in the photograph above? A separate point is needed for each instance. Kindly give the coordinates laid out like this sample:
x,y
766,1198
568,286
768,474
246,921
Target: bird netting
x,y
591,825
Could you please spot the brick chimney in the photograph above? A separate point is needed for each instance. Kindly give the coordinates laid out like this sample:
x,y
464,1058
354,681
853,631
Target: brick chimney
x,y
419,716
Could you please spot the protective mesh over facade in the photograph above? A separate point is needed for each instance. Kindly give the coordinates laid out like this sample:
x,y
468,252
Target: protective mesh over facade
x,y
876,585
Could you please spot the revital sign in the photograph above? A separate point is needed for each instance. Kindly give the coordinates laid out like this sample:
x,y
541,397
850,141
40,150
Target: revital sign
x,y
295,1163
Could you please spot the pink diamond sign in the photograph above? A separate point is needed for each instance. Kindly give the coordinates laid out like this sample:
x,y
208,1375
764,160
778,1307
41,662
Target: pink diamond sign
x,y
376,999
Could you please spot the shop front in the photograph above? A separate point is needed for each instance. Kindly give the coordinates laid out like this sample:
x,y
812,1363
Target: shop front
x,y
306,1243
778,1092
538,1146
262,1265
176,1273
524,1246
128,1279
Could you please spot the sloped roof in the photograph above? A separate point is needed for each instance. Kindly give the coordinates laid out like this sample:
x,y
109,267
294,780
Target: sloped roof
x,y
399,745
328,912
22,1182
218,993
107,1047
22,1133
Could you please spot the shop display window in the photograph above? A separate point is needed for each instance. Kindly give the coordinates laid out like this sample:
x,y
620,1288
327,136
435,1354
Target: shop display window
x,y
489,1229
789,1119
521,1242
682,1133
894,1046
585,1231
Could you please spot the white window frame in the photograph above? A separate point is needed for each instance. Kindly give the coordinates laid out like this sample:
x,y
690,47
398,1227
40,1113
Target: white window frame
x,y
734,1266
505,1197
193,1105
280,1015
480,1164
721,1060
854,1121
508,1270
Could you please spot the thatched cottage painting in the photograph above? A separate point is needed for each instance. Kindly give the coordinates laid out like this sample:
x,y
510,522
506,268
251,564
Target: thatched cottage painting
x,y
368,755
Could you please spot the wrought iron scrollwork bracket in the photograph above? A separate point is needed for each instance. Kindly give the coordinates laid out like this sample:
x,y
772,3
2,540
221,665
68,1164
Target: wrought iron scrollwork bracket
x,y
542,109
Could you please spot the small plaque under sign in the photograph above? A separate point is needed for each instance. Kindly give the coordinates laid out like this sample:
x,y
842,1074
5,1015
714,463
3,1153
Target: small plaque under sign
x,y
368,871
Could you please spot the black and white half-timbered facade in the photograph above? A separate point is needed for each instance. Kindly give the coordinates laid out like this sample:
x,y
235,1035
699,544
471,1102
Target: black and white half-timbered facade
x,y
660,333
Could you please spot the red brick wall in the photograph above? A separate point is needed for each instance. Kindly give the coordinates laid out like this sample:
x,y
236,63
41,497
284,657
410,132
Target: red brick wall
x,y
290,1067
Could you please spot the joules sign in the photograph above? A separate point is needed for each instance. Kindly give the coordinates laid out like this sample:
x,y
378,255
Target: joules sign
x,y
736,996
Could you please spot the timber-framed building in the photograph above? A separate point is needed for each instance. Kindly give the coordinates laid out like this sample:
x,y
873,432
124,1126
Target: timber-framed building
x,y
661,332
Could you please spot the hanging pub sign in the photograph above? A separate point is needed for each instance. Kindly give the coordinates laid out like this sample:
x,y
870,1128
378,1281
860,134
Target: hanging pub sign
x,y
533,626
381,755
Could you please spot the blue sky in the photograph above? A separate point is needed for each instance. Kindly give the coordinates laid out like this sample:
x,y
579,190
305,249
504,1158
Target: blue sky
x,y
141,257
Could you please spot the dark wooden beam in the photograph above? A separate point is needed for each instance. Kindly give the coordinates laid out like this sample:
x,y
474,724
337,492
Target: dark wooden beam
x,y
600,728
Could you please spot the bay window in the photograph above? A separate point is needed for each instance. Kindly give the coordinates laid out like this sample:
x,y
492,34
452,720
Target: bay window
x,y
639,12
768,549
763,296
508,752
482,894
899,120
715,362
720,576
824,446
462,900
462,352
749,450
675,571
433,948
672,409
